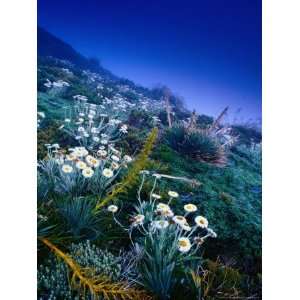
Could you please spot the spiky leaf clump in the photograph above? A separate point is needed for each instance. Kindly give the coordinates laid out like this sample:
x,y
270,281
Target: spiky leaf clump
x,y
78,217
199,145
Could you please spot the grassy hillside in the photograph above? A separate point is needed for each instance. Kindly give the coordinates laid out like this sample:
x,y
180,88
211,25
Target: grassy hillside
x,y
227,194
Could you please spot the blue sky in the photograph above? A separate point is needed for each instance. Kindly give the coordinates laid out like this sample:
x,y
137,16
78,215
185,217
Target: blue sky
x,y
208,51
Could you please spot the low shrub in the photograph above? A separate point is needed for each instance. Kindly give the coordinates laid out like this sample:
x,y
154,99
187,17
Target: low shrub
x,y
53,280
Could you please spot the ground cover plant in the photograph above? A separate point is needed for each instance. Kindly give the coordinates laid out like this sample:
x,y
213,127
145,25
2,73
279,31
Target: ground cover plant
x,y
139,201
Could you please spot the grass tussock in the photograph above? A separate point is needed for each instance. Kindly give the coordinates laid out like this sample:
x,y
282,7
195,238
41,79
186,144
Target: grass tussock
x,y
199,145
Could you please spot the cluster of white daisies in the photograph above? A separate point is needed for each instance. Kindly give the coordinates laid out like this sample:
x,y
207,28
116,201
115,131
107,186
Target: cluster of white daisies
x,y
163,217
79,159
56,84
91,125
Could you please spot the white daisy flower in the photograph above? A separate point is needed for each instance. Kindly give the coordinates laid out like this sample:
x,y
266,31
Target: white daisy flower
x,y
201,222
115,165
114,122
67,120
127,158
56,146
81,165
164,210
94,130
173,194
104,142
168,213
190,207
102,153
107,173
161,224
84,152
96,139
81,151
123,129
184,244
92,161
114,150
138,219
163,207
179,220
145,172
88,158
186,227
115,158
67,169
156,196
71,156
113,208
87,172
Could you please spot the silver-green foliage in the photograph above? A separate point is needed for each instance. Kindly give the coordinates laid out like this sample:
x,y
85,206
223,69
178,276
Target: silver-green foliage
x,y
53,283
53,180
158,262
79,218
103,262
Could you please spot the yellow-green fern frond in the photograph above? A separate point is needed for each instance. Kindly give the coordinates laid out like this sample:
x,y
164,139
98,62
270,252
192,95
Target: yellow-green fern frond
x,y
100,287
133,174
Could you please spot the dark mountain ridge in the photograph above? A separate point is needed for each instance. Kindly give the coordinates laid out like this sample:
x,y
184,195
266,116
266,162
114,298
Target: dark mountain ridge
x,y
50,45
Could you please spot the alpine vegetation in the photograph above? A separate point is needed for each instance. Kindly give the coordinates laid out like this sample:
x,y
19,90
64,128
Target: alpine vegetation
x,y
138,197
164,241
94,125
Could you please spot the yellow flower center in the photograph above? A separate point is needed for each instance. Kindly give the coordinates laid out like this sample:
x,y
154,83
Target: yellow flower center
x,y
183,243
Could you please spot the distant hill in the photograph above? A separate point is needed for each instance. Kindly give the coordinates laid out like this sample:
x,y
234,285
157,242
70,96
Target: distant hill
x,y
49,45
